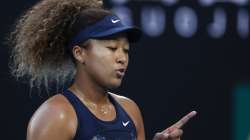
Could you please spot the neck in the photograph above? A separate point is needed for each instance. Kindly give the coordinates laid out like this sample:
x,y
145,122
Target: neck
x,y
89,90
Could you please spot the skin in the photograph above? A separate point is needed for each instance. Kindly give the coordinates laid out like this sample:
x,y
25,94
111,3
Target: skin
x,y
97,65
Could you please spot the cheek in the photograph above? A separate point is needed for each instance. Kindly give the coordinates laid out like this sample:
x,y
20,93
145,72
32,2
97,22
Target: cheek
x,y
101,63
127,59
101,70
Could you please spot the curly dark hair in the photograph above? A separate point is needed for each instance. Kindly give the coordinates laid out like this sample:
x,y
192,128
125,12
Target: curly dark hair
x,y
40,38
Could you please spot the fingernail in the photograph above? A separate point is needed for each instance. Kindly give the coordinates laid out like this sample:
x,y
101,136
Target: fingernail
x,y
166,135
194,112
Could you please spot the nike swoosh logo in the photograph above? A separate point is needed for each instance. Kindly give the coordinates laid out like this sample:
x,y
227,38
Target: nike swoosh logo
x,y
115,21
125,123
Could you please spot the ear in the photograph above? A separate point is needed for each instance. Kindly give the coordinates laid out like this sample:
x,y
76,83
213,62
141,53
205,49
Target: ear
x,y
79,53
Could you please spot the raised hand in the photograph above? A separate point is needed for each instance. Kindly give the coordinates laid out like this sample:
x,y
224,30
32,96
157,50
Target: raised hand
x,y
174,132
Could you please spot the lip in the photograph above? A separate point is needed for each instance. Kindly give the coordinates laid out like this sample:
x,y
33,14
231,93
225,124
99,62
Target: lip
x,y
120,72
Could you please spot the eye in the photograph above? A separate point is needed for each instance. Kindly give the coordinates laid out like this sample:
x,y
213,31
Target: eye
x,y
126,50
112,48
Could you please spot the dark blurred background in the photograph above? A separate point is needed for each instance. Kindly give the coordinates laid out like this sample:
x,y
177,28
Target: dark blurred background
x,y
194,55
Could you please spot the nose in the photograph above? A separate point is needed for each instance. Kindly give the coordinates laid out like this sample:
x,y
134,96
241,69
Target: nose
x,y
122,56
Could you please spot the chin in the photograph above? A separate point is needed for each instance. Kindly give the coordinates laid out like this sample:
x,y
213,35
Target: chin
x,y
114,85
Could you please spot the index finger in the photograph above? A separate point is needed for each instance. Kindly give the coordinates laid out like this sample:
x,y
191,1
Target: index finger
x,y
184,120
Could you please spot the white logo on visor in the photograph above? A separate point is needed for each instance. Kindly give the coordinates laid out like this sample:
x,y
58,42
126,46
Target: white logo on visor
x,y
115,21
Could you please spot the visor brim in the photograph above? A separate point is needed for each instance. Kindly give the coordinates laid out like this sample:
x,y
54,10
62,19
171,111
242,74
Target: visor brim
x,y
133,33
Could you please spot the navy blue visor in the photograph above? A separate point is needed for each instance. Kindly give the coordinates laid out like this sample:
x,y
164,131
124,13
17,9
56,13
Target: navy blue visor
x,y
108,26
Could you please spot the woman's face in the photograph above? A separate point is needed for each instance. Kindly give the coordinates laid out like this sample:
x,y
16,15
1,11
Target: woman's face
x,y
106,61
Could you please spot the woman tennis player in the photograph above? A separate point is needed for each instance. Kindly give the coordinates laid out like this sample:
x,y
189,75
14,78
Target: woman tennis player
x,y
77,40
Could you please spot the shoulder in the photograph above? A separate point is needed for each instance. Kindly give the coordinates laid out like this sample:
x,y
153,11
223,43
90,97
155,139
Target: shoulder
x,y
125,102
130,107
54,119
134,112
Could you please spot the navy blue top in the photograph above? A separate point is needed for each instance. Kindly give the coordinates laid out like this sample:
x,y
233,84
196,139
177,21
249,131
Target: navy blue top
x,y
91,128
